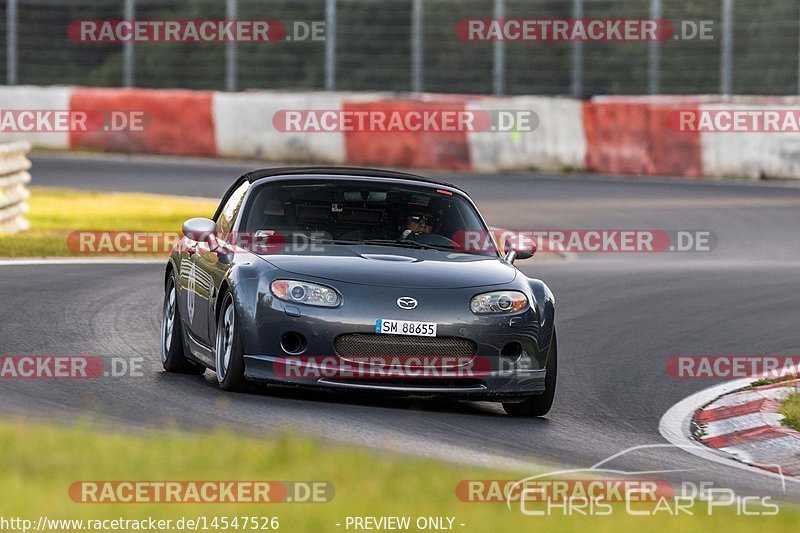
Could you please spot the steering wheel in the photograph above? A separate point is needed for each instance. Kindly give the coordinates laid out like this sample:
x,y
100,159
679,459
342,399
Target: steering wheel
x,y
430,238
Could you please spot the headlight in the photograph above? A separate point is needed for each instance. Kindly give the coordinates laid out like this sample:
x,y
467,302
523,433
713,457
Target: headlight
x,y
305,293
498,302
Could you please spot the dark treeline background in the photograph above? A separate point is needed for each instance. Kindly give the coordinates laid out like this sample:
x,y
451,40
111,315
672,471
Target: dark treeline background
x,y
373,48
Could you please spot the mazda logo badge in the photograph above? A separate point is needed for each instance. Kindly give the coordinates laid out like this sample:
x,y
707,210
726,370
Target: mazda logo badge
x,y
406,302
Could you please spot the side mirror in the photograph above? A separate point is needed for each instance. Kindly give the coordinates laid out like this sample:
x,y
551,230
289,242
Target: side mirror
x,y
519,248
201,230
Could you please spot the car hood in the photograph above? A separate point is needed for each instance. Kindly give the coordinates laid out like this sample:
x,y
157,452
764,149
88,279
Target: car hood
x,y
396,267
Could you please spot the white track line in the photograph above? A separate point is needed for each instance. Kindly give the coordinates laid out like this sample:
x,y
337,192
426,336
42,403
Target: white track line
x,y
674,426
81,261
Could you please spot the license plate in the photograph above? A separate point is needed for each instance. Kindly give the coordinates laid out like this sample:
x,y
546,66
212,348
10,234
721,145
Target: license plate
x,y
405,327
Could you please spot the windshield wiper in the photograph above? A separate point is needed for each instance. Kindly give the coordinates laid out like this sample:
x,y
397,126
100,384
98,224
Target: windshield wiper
x,y
406,243
334,241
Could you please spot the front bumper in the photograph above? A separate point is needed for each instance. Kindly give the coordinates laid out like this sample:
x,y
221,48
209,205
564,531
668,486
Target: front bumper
x,y
499,377
506,383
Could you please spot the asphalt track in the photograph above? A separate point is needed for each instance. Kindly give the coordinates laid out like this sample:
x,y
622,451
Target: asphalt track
x,y
619,316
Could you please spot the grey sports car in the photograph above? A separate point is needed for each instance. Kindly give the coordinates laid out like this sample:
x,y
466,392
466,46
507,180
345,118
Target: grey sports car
x,y
358,279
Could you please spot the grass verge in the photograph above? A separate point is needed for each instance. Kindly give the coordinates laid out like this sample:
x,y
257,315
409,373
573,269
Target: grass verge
x,y
771,381
790,409
55,213
40,462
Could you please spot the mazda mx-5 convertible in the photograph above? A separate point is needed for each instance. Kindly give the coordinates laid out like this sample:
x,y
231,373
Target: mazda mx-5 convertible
x,y
358,280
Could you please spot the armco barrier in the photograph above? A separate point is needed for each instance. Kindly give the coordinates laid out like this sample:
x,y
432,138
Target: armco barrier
x,y
616,135
14,177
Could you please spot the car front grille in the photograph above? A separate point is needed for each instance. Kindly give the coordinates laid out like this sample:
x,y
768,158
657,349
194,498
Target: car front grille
x,y
362,345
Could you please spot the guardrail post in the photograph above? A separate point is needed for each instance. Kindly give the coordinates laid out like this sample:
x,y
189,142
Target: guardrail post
x,y
416,46
330,45
128,53
11,42
576,78
499,53
231,50
726,49
654,56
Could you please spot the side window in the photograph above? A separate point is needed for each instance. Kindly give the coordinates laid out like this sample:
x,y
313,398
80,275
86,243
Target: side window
x,y
231,209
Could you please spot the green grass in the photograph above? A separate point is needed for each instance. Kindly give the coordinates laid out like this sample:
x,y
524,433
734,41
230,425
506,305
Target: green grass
x,y
55,213
771,381
40,462
790,409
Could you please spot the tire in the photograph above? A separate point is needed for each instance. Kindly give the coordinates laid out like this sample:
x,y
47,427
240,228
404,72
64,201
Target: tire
x,y
540,404
228,350
173,357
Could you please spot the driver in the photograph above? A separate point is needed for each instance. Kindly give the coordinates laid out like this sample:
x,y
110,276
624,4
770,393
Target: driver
x,y
419,221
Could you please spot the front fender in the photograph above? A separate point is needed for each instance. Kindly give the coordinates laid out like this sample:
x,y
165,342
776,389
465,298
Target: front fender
x,y
545,304
249,283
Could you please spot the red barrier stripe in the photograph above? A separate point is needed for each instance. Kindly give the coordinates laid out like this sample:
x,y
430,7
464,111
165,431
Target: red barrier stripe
x,y
747,435
635,138
732,411
411,149
177,122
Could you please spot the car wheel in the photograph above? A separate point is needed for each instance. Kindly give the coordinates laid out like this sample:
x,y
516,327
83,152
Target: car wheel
x,y
540,404
172,356
229,354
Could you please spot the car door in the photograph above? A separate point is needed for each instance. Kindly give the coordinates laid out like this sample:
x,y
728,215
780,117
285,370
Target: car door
x,y
213,266
200,272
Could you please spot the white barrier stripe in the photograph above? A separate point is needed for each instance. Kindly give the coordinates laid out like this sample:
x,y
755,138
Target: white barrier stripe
x,y
18,178
14,177
740,423
748,396
30,97
14,195
244,126
778,451
747,154
12,210
558,141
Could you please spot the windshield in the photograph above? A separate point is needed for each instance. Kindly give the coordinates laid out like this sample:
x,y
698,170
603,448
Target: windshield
x,y
345,212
